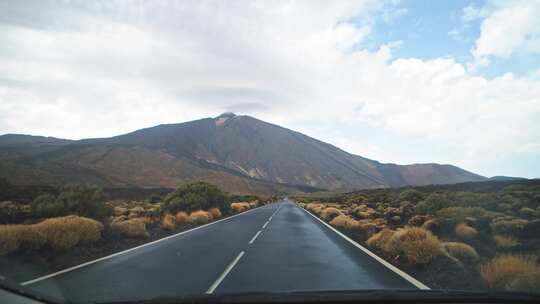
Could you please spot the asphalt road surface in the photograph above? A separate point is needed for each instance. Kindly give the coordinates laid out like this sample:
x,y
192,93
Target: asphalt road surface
x,y
274,248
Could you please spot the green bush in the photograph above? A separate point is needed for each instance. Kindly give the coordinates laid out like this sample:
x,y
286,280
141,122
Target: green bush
x,y
46,205
434,202
196,196
411,195
508,226
82,200
462,213
472,199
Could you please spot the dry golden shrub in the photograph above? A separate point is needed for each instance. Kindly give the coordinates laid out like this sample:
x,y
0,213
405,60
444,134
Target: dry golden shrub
x,y
120,211
364,212
215,212
20,237
417,245
9,238
137,210
380,222
340,221
309,206
352,224
89,230
199,217
131,228
31,238
239,207
168,222
65,232
529,282
379,239
463,252
360,208
315,208
505,242
149,220
118,219
465,232
59,233
503,270
318,209
368,229
181,218
330,213
418,220
431,225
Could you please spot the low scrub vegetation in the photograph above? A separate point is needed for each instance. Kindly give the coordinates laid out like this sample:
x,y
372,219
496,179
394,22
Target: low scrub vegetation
x,y
505,271
81,200
465,232
196,196
59,233
417,245
239,207
82,214
508,225
461,251
131,228
181,218
505,242
215,213
168,222
199,217
482,233
380,239
330,213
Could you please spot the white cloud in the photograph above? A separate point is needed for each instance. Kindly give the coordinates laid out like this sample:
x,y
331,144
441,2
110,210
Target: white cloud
x,y
114,69
391,14
513,27
471,13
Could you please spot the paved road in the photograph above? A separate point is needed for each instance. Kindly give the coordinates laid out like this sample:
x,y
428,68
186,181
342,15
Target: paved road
x,y
278,247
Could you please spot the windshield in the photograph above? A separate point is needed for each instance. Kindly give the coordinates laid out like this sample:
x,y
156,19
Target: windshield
x,y
186,149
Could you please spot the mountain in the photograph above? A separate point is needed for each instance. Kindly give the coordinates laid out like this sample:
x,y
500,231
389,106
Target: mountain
x,y
239,153
501,178
8,140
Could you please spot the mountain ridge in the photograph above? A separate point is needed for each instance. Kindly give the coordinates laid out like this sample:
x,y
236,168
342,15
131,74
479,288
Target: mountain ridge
x,y
240,153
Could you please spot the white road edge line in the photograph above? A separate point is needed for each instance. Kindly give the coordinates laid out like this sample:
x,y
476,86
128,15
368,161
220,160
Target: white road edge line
x,y
398,271
256,235
128,250
224,274
265,224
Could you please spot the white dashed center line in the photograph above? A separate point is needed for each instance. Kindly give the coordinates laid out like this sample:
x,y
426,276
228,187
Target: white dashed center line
x,y
254,237
224,274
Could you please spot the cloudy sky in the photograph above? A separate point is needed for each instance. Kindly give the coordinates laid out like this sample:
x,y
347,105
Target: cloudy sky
x,y
397,81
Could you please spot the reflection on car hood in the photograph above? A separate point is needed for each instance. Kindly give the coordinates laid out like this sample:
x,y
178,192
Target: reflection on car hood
x,y
358,296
